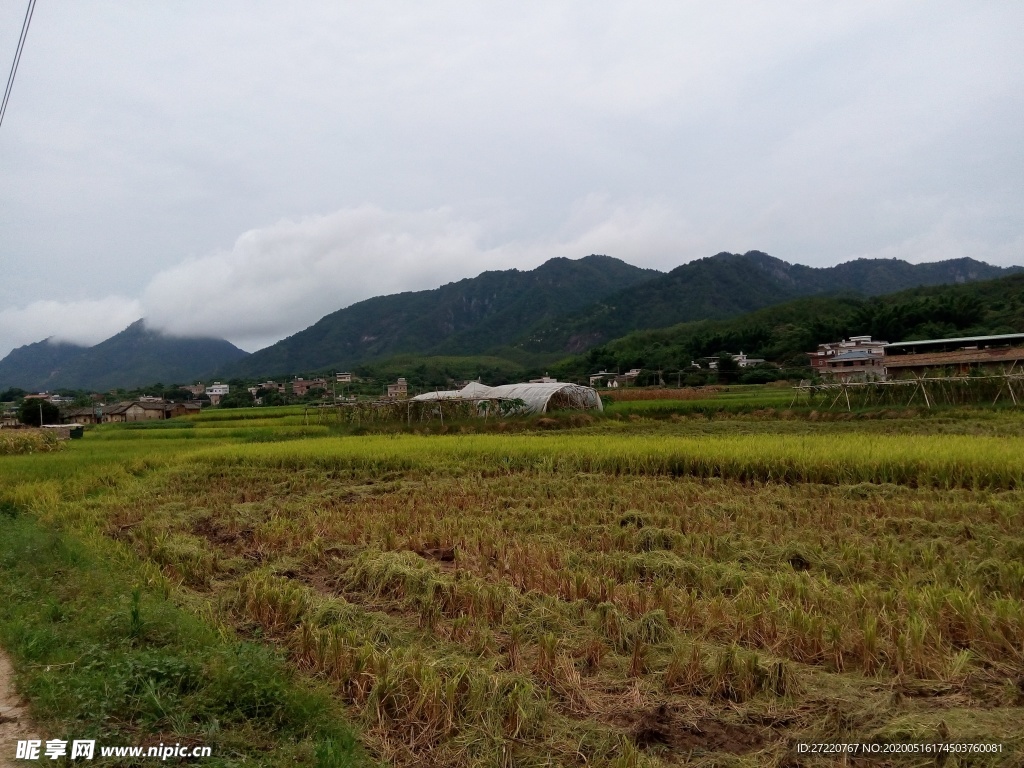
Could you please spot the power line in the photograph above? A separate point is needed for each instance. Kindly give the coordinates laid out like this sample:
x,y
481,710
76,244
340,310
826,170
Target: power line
x,y
17,57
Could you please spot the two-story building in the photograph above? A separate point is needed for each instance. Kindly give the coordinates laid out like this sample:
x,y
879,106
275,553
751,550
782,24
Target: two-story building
x,y
858,358
399,390
216,391
266,386
301,386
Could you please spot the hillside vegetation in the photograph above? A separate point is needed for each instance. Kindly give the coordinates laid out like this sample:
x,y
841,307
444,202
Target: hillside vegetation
x,y
468,317
786,332
501,325
131,358
534,318
731,284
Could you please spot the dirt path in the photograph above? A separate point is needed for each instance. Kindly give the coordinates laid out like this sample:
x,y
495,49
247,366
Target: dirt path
x,y
14,722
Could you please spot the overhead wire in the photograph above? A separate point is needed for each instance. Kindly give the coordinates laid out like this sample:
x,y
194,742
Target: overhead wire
x,y
17,57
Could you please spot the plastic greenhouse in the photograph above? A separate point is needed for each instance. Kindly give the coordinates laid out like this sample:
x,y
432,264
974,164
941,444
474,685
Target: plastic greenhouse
x,y
525,398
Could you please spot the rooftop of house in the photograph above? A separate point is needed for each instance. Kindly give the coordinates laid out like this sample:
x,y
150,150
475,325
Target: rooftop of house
x,y
854,354
1001,339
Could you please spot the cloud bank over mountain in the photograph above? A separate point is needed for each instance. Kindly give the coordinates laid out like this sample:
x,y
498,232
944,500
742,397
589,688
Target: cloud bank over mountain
x,y
276,280
358,141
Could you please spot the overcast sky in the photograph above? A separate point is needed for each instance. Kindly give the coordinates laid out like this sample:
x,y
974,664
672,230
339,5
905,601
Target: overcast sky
x,y
242,168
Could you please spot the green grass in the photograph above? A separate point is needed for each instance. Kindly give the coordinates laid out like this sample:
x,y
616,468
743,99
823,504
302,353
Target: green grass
x,y
102,653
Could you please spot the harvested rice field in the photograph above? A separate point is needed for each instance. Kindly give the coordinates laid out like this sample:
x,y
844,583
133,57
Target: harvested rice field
x,y
613,593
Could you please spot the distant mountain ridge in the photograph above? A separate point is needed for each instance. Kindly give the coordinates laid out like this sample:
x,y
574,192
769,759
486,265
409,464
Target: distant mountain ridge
x,y
28,366
532,318
785,333
567,306
464,317
731,284
132,358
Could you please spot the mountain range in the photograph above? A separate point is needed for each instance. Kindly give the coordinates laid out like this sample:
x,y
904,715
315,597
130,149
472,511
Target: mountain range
x,y
784,333
468,317
565,307
731,284
132,358
533,318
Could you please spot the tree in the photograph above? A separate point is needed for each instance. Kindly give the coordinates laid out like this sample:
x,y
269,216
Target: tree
x,y
12,394
239,398
728,369
32,409
270,396
315,394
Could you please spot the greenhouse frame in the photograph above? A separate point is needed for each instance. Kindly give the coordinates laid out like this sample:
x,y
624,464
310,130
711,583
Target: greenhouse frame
x,y
528,398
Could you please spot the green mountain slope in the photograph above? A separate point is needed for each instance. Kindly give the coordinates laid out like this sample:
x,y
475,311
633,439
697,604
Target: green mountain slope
x,y
730,284
468,317
134,357
28,367
783,333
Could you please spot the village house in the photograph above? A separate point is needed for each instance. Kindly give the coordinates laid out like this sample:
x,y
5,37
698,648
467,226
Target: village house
x,y
742,361
857,358
955,357
87,415
266,386
301,386
614,379
399,390
216,391
139,410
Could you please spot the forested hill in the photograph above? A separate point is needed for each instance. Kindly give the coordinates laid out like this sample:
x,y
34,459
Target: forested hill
x,y
783,333
731,284
28,367
470,317
134,357
571,305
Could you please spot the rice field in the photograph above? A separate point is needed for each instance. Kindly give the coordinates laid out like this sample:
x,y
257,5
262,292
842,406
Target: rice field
x,y
635,593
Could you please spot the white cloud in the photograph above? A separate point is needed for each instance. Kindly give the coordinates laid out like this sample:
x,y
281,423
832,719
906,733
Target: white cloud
x,y
488,137
278,279
946,242
646,233
85,322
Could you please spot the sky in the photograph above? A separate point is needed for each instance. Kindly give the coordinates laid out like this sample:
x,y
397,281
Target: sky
x,y
241,168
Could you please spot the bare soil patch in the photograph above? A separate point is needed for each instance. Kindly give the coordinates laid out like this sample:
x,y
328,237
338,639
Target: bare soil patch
x,y
663,727
14,722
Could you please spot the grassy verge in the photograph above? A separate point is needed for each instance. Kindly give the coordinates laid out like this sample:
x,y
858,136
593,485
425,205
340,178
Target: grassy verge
x,y
101,658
